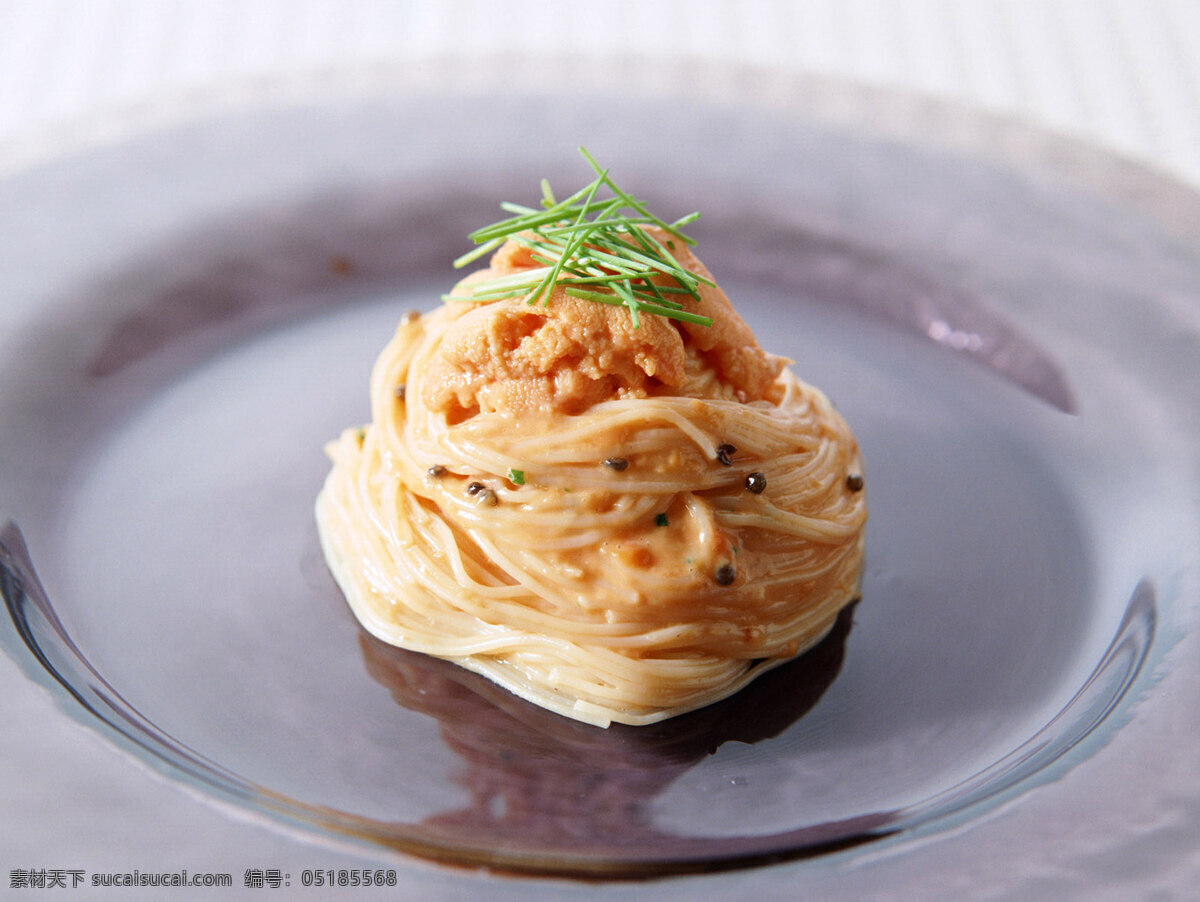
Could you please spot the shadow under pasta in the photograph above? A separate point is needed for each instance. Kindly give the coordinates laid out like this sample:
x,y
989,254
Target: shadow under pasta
x,y
545,784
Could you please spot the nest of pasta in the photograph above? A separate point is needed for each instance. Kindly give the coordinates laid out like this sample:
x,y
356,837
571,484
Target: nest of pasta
x,y
619,521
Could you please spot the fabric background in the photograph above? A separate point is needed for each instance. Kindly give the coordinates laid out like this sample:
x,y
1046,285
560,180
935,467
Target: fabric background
x,y
1124,74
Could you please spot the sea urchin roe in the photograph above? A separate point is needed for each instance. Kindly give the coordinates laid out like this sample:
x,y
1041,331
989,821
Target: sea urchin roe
x,y
565,353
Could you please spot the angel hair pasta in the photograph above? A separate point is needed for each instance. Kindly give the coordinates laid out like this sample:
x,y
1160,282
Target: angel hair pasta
x,y
584,479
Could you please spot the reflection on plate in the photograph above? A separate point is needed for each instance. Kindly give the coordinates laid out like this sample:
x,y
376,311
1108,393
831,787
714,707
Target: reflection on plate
x,y
527,772
1015,390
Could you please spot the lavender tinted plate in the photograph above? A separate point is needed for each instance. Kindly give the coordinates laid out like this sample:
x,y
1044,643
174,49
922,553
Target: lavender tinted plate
x,y
196,312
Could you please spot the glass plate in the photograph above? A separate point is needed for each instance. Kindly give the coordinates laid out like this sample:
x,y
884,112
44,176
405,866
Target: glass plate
x,y
196,313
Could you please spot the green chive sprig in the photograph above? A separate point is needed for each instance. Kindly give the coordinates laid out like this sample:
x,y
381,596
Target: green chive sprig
x,y
595,248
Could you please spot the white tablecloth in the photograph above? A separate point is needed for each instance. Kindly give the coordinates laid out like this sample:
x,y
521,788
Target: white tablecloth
x,y
1124,74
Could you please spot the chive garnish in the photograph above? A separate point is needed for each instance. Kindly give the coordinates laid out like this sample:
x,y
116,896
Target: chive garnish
x,y
516,477
597,249
661,520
